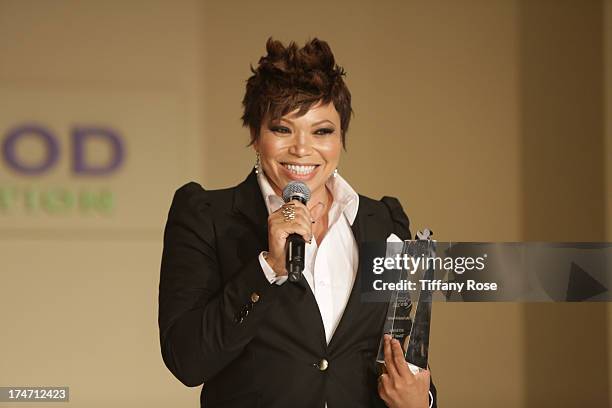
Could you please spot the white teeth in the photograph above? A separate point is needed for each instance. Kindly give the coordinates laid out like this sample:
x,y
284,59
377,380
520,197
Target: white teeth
x,y
300,169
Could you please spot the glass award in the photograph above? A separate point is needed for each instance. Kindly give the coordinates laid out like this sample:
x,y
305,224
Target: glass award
x,y
409,312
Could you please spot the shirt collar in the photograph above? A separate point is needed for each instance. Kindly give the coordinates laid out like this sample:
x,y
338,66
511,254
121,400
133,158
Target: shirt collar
x,y
343,194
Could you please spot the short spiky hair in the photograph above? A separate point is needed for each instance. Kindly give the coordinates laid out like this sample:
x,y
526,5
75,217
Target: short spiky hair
x,y
291,78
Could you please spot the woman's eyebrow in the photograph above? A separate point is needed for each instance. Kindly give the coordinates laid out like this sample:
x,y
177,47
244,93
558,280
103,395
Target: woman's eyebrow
x,y
323,121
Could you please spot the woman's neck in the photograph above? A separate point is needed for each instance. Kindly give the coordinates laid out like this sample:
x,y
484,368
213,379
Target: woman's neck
x,y
323,196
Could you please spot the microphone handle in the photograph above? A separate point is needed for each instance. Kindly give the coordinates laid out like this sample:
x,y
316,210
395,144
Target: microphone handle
x,y
296,254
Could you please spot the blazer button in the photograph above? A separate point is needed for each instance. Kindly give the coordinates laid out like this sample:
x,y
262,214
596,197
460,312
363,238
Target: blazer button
x,y
322,365
254,297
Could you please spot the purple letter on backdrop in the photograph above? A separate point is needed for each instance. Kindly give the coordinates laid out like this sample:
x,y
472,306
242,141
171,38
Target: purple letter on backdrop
x,y
10,155
79,138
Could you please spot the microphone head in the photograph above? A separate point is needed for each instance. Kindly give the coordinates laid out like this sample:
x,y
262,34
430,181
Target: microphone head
x,y
296,190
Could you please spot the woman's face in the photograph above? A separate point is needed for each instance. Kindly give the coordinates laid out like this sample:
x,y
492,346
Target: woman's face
x,y
305,148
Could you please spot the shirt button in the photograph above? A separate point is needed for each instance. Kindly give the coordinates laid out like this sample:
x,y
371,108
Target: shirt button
x,y
254,297
322,365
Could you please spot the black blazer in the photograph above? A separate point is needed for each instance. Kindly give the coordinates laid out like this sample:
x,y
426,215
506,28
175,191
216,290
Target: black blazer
x,y
251,343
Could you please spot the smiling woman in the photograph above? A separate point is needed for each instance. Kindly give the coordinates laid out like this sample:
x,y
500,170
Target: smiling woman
x,y
227,315
305,148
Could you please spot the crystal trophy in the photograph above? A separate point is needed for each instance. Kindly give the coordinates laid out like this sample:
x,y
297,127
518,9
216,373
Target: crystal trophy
x,y
409,321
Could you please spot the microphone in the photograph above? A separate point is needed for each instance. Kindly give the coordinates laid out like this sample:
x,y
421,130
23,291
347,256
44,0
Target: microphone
x,y
296,246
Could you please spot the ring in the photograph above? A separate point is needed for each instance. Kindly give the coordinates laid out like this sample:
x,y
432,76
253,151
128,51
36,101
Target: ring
x,y
288,212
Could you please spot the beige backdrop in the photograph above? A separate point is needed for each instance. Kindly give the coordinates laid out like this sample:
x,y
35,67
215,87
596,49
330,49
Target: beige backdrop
x,y
488,119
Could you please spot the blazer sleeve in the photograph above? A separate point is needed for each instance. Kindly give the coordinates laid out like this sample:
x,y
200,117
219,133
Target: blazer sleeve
x,y
401,228
204,323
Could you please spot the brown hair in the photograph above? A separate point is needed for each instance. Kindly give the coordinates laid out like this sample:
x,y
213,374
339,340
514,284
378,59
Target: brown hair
x,y
291,78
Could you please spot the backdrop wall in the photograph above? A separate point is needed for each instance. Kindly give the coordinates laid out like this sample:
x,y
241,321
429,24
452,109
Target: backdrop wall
x,y
489,120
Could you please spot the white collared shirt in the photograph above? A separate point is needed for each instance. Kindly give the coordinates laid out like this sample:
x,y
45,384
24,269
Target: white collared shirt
x,y
330,266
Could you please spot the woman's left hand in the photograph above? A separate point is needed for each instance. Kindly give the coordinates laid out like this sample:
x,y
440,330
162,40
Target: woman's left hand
x,y
399,387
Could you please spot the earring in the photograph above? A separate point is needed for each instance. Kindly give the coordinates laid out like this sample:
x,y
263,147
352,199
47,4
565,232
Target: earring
x,y
257,164
335,174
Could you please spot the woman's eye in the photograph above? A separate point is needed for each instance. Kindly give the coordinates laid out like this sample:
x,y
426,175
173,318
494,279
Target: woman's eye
x,y
280,129
324,131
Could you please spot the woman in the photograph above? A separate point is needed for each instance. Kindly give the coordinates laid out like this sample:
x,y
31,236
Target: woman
x,y
228,316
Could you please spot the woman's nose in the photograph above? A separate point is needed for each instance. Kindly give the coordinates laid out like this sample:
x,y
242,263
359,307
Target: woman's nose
x,y
301,145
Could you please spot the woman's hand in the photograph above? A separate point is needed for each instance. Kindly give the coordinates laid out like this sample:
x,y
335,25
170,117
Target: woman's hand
x,y
279,229
398,387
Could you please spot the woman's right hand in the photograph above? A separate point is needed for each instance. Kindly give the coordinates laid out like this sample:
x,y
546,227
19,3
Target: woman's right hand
x,y
279,229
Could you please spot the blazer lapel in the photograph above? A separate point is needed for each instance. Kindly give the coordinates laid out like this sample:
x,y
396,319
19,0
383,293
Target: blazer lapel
x,y
365,228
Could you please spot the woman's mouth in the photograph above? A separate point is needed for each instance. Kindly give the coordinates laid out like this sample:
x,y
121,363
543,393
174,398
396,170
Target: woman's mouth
x,y
300,171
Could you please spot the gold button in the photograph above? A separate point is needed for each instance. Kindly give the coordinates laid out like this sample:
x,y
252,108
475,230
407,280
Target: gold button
x,y
254,297
323,364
